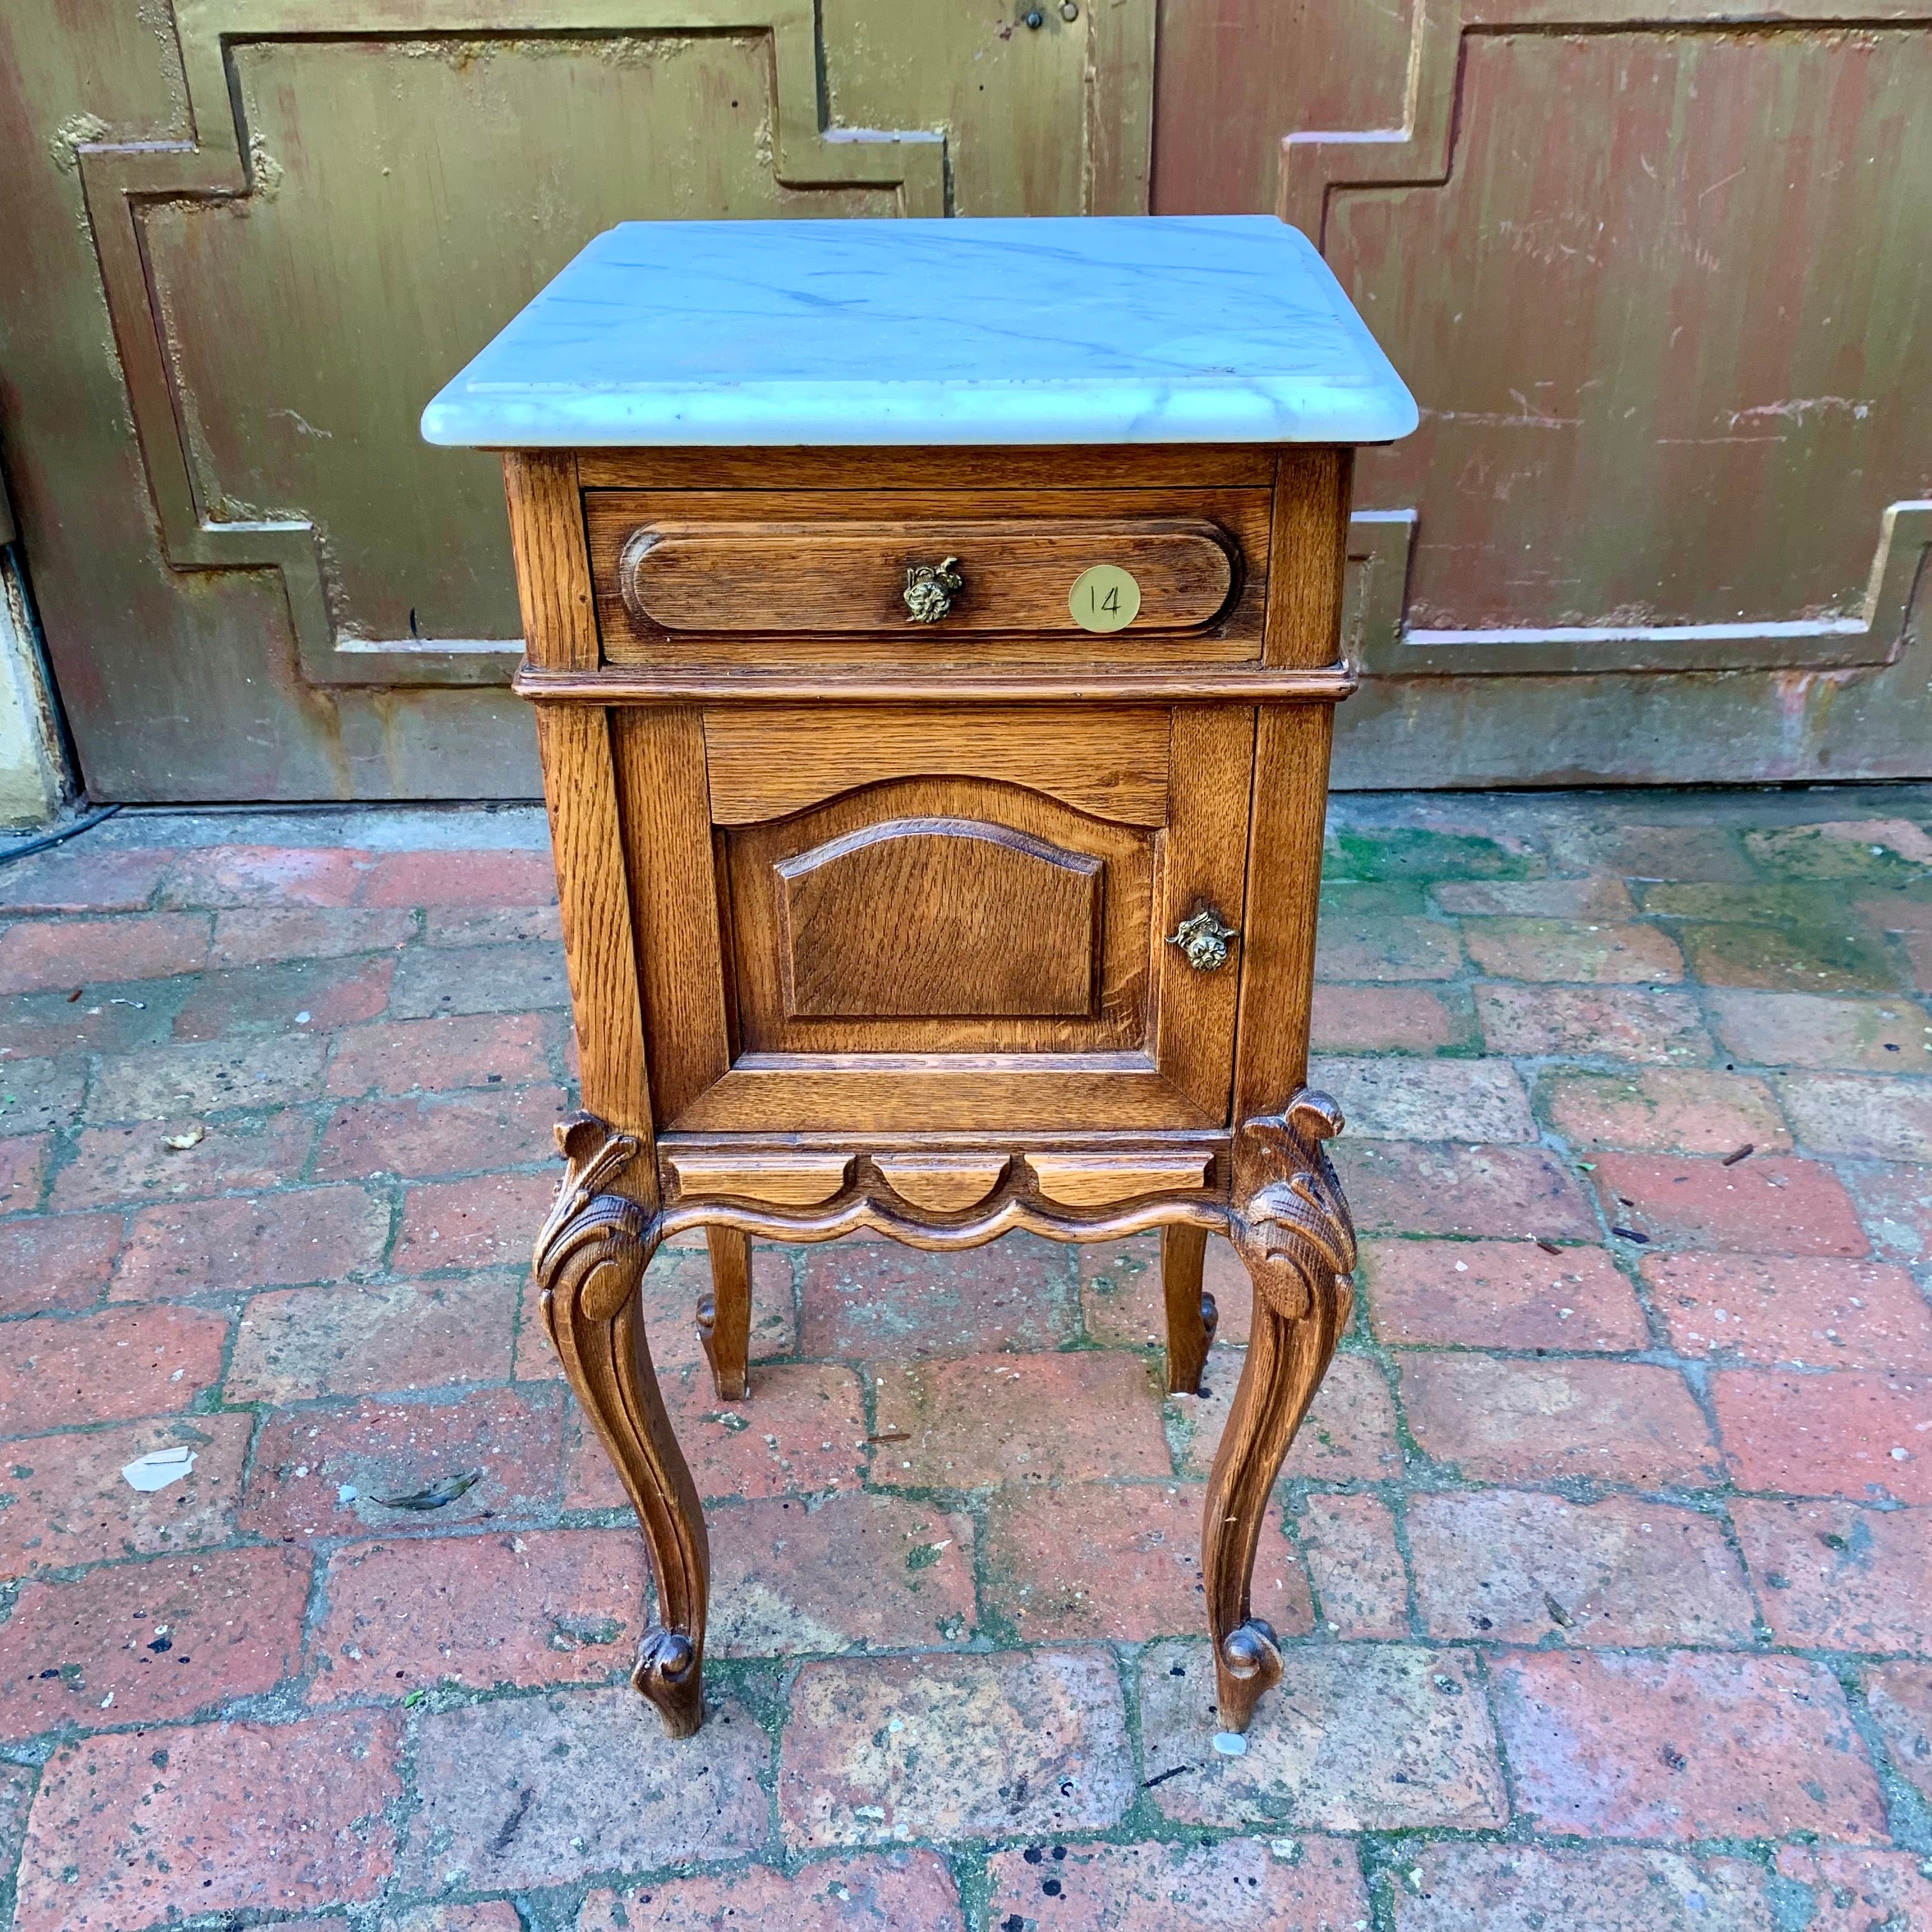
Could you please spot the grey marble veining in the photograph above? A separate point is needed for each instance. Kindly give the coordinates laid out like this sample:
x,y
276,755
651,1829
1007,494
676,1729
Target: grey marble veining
x,y
1134,329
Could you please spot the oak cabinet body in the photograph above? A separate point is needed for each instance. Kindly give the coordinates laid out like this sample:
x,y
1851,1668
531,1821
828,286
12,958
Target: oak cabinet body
x,y
938,834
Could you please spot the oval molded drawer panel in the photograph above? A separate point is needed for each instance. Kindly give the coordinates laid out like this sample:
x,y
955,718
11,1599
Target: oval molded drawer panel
x,y
705,578
755,577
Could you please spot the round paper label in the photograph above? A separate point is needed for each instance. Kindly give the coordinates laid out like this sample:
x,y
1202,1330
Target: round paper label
x,y
1105,597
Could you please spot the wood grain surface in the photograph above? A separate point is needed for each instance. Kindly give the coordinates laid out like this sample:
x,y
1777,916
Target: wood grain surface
x,y
747,580
1146,466
1098,686
547,536
769,578
936,918
764,763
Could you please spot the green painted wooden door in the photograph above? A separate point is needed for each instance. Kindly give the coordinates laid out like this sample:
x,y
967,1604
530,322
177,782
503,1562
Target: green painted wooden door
x,y
244,241
1660,278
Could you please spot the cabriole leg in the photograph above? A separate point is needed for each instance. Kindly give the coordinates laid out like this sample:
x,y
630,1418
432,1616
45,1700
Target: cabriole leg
x,y
1286,1361
724,1315
1291,1226
1191,1316
590,1262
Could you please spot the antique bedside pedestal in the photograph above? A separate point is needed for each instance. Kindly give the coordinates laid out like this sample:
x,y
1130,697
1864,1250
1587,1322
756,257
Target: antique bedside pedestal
x,y
932,627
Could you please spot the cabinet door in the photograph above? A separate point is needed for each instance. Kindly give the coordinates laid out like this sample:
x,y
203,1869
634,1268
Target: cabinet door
x,y
878,921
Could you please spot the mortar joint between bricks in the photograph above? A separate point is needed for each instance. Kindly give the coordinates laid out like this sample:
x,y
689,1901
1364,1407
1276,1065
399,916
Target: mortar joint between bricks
x,y
1908,1814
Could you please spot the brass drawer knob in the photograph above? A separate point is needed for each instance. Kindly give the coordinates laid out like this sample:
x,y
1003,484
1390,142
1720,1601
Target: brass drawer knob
x,y
929,588
1203,940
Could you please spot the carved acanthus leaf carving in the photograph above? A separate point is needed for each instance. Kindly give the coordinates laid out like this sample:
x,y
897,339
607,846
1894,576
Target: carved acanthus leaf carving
x,y
1289,1220
593,1246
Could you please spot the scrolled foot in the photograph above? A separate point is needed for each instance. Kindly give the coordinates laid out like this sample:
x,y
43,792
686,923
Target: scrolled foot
x,y
667,1676
1247,1667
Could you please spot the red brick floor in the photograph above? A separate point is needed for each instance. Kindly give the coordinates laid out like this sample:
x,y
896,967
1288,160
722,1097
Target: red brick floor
x,y
1604,1565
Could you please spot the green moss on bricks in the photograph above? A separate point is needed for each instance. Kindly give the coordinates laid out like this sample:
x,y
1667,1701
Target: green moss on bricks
x,y
1365,899
1880,851
1807,958
1357,854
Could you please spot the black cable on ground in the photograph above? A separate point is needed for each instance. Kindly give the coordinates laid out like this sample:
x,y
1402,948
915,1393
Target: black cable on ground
x,y
9,853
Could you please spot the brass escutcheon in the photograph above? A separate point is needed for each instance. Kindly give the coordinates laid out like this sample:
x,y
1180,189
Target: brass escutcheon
x,y
1203,940
929,588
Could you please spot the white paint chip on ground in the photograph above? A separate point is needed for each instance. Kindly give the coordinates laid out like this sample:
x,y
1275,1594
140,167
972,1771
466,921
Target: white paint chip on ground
x,y
159,1467
1230,1743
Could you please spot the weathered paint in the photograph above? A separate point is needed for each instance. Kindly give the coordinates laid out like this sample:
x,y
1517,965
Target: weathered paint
x,y
1659,280
250,239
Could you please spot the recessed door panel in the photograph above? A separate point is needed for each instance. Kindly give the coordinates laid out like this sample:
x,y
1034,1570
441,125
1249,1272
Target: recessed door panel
x,y
932,918
942,915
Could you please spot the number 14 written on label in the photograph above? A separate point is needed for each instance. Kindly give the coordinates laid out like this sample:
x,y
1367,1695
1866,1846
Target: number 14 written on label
x,y
1104,598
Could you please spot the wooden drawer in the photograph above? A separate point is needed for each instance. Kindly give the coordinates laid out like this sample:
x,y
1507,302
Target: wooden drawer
x,y
766,577
842,579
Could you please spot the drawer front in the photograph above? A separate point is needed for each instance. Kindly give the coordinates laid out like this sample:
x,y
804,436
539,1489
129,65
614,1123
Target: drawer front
x,y
881,921
935,579
687,579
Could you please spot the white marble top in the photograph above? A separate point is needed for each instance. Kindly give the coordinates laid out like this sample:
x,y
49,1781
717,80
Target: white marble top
x,y
1129,329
